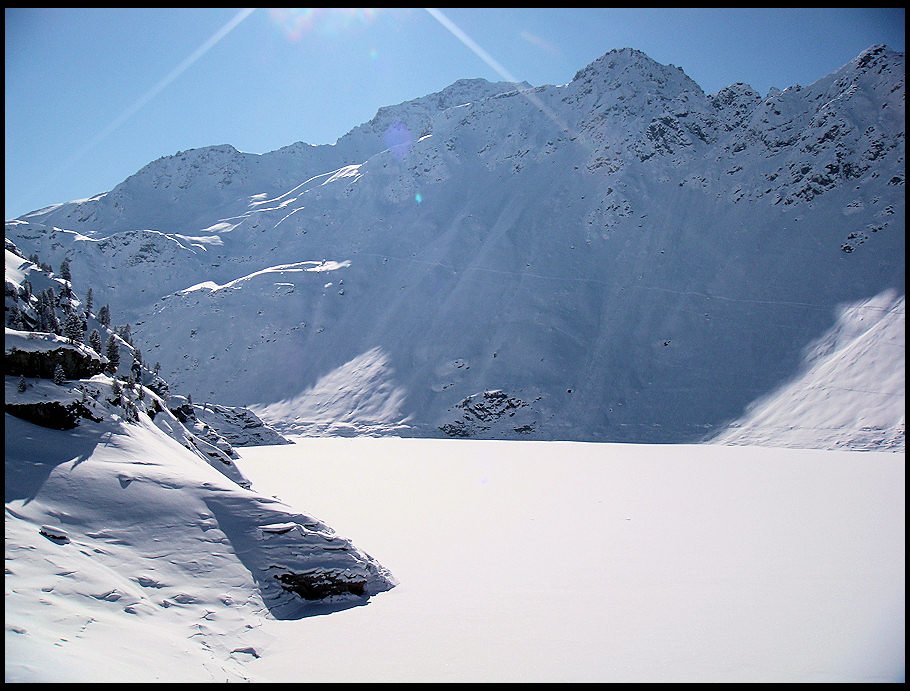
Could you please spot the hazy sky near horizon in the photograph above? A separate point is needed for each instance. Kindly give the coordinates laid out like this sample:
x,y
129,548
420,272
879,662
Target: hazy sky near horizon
x,y
93,95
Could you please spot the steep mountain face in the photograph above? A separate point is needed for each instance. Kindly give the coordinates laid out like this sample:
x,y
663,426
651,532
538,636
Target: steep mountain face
x,y
623,257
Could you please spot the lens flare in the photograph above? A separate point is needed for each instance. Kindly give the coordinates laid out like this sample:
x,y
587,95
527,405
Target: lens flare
x,y
398,139
472,45
536,40
150,94
296,22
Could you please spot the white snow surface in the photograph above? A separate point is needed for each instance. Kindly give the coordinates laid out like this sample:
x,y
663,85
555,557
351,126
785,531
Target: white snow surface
x,y
561,561
131,557
38,341
515,561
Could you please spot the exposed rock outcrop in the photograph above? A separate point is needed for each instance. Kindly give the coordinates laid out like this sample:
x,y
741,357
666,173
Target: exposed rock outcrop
x,y
76,363
490,411
51,414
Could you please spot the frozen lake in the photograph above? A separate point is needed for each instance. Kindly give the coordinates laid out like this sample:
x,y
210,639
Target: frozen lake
x,y
552,561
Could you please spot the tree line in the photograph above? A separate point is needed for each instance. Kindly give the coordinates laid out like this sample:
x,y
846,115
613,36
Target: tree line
x,y
72,323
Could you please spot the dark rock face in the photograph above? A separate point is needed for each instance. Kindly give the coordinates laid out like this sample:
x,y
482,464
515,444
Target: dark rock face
x,y
35,363
482,411
319,584
52,414
240,426
184,412
54,534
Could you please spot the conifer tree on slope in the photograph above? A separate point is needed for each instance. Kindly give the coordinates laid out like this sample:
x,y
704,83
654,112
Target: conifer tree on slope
x,y
94,341
14,318
104,315
112,352
72,327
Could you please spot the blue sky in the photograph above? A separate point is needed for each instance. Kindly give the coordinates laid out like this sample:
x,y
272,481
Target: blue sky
x,y
92,95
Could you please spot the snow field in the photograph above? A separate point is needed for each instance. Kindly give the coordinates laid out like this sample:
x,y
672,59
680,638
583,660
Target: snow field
x,y
552,561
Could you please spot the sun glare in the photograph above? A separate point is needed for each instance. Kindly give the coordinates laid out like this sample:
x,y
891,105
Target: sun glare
x,y
297,22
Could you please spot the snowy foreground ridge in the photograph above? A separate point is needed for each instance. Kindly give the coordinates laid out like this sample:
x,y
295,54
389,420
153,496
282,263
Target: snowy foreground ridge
x,y
128,517
200,363
128,556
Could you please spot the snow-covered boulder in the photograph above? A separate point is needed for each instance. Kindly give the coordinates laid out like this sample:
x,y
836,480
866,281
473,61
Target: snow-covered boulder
x,y
34,354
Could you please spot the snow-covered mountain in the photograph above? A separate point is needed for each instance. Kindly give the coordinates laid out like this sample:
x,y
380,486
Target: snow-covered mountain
x,y
622,257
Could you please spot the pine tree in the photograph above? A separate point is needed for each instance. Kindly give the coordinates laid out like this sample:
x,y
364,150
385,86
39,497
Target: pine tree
x,y
112,352
159,386
47,318
94,341
89,299
59,375
21,385
14,318
65,273
136,367
42,312
131,412
126,334
104,315
50,297
72,328
40,321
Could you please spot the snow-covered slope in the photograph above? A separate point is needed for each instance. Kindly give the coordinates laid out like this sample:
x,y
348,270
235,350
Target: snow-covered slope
x,y
624,257
126,513
831,404
118,528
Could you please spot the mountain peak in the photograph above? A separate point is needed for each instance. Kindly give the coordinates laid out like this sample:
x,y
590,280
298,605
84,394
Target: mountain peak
x,y
457,93
875,52
415,117
476,89
628,71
